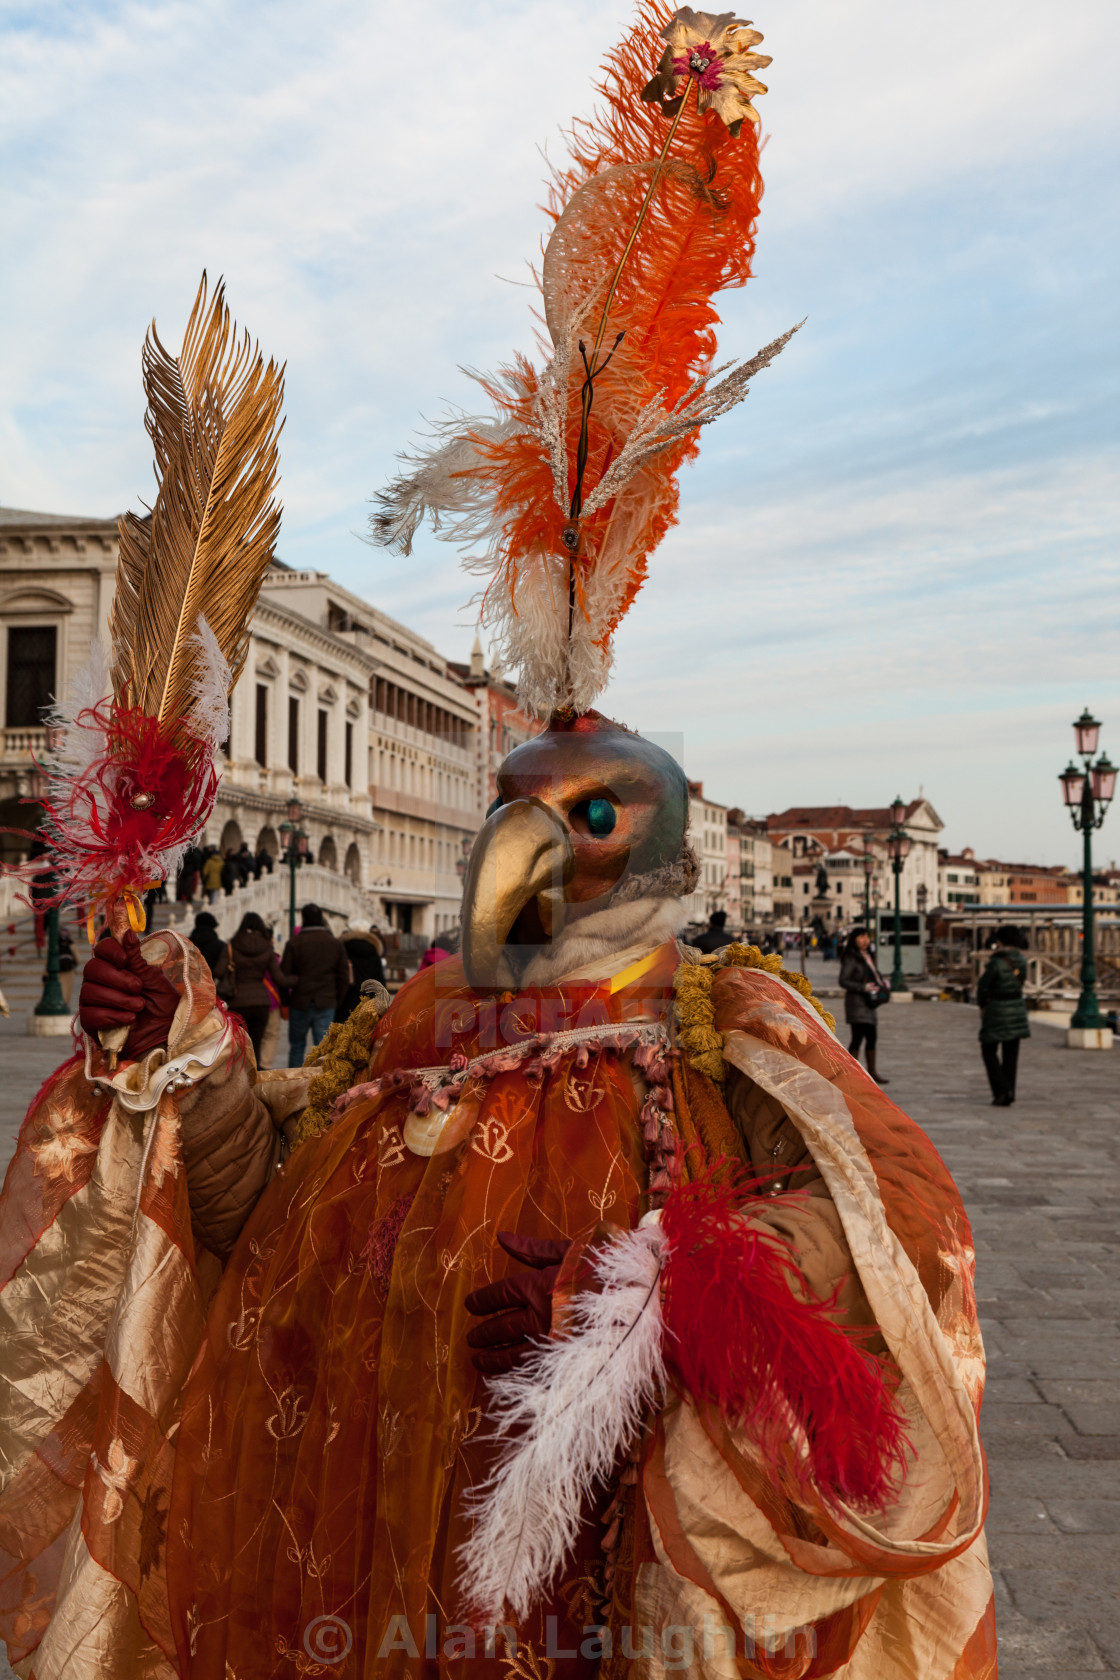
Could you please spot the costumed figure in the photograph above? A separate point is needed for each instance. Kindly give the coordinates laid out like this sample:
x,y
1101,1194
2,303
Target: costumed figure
x,y
605,1318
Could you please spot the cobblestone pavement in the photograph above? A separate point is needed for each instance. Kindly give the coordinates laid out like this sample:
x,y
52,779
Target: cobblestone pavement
x,y
1040,1183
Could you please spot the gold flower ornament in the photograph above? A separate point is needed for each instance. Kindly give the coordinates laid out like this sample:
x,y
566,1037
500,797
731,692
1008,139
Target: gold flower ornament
x,y
717,52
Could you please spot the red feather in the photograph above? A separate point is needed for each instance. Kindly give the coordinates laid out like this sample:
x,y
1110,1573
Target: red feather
x,y
148,791
744,1334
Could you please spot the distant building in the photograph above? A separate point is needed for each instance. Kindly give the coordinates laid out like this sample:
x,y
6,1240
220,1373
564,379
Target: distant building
x,y
707,835
57,575
749,849
338,705
500,723
958,878
733,874
812,831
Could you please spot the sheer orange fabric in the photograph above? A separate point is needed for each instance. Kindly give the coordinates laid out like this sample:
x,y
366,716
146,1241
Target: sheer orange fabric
x,y
334,1419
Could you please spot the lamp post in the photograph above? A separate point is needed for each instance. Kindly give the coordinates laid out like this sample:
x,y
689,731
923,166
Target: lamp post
x,y
1088,792
295,845
52,1001
868,872
898,850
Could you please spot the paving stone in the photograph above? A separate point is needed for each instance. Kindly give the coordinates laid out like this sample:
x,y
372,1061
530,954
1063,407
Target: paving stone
x,y
1081,1516
1004,1418
1012,1514
1089,1391
1026,1648
999,1386
1056,1478
1092,1420
1090,1446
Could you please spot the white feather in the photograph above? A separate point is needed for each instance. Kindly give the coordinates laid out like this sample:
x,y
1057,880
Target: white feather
x,y
210,716
564,1418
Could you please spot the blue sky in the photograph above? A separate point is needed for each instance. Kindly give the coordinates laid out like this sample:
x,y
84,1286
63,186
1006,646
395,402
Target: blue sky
x,y
897,563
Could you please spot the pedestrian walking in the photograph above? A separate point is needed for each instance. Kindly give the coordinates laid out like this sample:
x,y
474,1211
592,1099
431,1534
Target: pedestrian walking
x,y
204,937
444,945
364,949
252,959
230,876
865,991
319,972
1003,1013
715,935
212,875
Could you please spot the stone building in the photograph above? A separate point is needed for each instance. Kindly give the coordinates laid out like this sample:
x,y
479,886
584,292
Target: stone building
x,y
958,878
417,752
707,835
749,849
338,705
299,726
57,575
500,723
812,831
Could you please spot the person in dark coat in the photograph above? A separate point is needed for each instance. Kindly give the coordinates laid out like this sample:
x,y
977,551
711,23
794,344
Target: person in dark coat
x,y
862,983
204,937
252,956
1003,1013
364,949
320,974
715,936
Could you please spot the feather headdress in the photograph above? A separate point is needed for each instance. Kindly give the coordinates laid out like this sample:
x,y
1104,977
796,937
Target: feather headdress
x,y
134,777
562,493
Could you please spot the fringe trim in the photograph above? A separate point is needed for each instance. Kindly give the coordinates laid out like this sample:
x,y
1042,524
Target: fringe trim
x,y
698,1035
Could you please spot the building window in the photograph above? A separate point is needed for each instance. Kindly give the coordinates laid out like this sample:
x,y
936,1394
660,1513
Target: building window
x,y
321,747
348,769
260,750
293,734
31,674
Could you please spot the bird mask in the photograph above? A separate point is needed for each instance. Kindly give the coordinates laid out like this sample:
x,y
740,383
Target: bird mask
x,y
588,816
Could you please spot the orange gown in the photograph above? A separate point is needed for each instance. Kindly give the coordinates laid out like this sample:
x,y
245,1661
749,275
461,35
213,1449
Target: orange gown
x,y
334,1420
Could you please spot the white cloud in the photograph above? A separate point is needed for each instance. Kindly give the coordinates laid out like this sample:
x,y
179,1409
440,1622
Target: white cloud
x,y
906,538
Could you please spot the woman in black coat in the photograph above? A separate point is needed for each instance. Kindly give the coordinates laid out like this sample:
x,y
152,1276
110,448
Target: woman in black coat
x,y
862,984
204,937
1003,1018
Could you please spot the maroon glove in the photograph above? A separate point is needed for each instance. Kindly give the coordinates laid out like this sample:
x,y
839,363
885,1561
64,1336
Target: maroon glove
x,y
518,1310
120,989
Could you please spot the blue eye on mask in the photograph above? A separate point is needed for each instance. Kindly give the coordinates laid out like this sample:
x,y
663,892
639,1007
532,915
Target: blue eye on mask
x,y
601,817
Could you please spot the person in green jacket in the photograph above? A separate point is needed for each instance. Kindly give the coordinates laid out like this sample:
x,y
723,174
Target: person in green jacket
x,y
1003,1017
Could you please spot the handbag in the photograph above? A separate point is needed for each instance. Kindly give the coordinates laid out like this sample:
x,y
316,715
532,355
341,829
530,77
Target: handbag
x,y
880,996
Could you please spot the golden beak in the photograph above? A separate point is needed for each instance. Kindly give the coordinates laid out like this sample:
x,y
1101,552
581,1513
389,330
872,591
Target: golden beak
x,y
522,856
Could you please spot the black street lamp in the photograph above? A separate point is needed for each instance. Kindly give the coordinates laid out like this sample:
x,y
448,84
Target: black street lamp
x,y
898,850
1088,792
868,872
295,846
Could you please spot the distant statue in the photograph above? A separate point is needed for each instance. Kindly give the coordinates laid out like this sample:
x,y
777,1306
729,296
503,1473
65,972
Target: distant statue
x,y
822,881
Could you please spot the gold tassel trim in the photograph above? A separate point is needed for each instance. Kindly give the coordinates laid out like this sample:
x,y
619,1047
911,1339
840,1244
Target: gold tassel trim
x,y
343,1060
700,1039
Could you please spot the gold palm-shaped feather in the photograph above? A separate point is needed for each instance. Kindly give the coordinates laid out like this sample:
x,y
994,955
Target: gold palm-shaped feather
x,y
214,419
